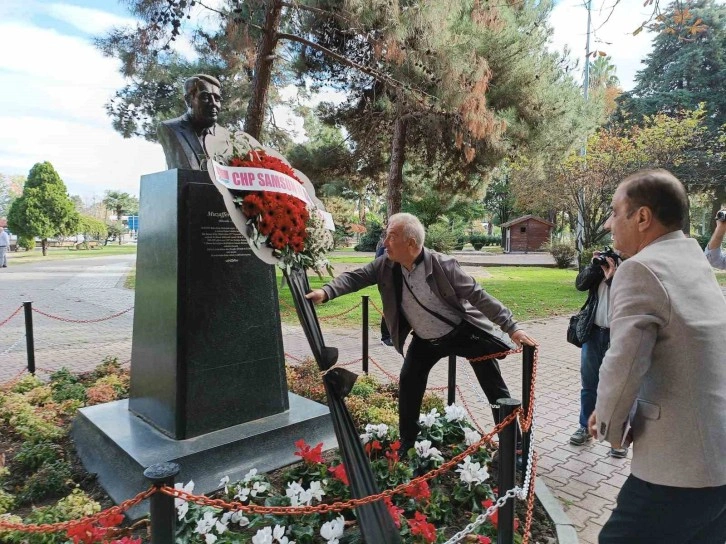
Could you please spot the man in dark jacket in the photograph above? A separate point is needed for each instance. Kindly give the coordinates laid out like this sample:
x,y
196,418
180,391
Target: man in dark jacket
x,y
594,333
447,310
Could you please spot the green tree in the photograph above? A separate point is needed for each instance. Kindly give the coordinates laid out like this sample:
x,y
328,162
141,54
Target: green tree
x,y
486,86
682,72
121,203
603,73
44,210
92,228
11,187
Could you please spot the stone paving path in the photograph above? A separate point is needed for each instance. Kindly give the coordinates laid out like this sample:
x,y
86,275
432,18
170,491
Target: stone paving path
x,y
585,479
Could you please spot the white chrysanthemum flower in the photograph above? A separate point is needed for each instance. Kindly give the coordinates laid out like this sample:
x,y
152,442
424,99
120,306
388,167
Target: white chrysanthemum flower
x,y
332,530
316,491
293,492
258,488
377,431
472,473
248,477
471,436
425,451
206,523
182,507
263,536
428,420
243,493
239,518
223,483
454,413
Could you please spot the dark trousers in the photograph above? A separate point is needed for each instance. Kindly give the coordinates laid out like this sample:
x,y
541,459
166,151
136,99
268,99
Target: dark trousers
x,y
649,513
593,352
421,357
384,329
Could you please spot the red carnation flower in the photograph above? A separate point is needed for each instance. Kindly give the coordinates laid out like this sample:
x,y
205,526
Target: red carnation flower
x,y
308,454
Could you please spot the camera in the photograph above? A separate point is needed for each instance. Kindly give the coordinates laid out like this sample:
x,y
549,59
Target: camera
x,y
604,254
721,215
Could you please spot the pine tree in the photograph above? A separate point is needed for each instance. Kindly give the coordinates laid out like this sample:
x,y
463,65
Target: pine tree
x,y
44,210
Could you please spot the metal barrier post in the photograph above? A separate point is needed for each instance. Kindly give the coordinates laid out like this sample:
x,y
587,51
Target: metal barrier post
x,y
29,342
527,371
364,302
507,468
161,506
452,380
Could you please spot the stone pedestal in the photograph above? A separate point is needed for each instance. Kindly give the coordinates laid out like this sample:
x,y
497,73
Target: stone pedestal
x,y
117,446
208,387
207,345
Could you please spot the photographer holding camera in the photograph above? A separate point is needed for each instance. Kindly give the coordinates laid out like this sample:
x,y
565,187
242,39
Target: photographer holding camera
x,y
713,250
595,278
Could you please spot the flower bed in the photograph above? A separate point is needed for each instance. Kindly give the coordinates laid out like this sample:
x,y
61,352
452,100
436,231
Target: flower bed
x,y
40,467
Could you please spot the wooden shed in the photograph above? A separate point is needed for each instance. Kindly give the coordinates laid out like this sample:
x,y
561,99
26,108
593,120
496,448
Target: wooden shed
x,y
526,233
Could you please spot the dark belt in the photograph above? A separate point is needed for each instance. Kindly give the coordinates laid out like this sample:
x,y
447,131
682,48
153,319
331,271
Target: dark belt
x,y
449,336
605,329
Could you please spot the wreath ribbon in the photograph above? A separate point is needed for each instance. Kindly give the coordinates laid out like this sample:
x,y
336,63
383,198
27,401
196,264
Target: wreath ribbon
x,y
247,178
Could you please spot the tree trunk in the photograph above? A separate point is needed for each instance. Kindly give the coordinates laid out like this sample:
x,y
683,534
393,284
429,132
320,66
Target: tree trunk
x,y
44,246
263,70
395,174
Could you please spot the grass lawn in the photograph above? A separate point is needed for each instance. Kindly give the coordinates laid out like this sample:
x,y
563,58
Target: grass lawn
x,y
58,253
530,292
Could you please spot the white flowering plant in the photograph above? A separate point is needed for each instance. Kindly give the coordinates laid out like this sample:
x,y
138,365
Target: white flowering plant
x,y
420,513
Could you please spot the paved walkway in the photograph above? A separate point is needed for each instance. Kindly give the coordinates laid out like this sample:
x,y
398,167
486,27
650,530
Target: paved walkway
x,y
585,479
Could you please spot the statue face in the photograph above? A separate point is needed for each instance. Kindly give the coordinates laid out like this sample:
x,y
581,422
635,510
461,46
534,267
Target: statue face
x,y
204,104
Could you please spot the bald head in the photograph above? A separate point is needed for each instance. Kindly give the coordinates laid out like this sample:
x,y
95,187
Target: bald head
x,y
660,191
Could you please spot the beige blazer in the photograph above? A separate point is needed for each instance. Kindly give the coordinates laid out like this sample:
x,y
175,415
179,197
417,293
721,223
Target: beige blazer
x,y
667,361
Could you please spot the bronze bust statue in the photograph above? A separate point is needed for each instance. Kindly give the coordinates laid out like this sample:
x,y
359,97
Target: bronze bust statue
x,y
183,138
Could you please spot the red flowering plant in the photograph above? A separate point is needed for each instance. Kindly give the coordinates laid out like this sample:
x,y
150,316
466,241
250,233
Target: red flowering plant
x,y
282,222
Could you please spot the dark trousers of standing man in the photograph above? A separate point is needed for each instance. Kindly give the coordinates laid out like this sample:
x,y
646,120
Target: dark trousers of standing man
x,y
421,357
652,514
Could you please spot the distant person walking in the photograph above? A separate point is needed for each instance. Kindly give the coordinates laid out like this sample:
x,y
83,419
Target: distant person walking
x,y
4,247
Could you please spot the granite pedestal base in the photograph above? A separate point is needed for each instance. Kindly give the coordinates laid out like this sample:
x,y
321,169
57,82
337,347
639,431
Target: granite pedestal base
x,y
117,445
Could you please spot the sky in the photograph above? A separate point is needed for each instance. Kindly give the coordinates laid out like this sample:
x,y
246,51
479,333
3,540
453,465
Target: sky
x,y
55,85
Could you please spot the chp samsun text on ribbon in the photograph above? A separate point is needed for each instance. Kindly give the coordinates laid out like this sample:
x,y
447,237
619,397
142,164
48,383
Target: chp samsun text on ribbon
x,y
245,178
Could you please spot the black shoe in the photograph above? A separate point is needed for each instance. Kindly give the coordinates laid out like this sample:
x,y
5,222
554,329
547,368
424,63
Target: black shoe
x,y
387,341
580,437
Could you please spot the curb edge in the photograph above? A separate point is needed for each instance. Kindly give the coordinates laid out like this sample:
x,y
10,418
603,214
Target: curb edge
x,y
566,532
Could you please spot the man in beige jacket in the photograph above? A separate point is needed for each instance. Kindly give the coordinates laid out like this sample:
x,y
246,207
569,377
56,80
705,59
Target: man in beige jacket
x,y
663,380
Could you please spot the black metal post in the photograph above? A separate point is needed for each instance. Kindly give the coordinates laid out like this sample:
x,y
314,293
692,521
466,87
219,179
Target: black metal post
x,y
364,302
527,371
507,468
161,505
29,342
452,380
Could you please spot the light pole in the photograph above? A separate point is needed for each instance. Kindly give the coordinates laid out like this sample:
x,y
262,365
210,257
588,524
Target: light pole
x,y
580,234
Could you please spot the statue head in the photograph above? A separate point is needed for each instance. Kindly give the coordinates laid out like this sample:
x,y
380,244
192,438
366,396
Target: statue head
x,y
202,97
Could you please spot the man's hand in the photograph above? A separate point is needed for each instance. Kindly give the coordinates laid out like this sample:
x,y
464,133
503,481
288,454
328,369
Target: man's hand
x,y
520,337
718,235
610,268
318,296
592,424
